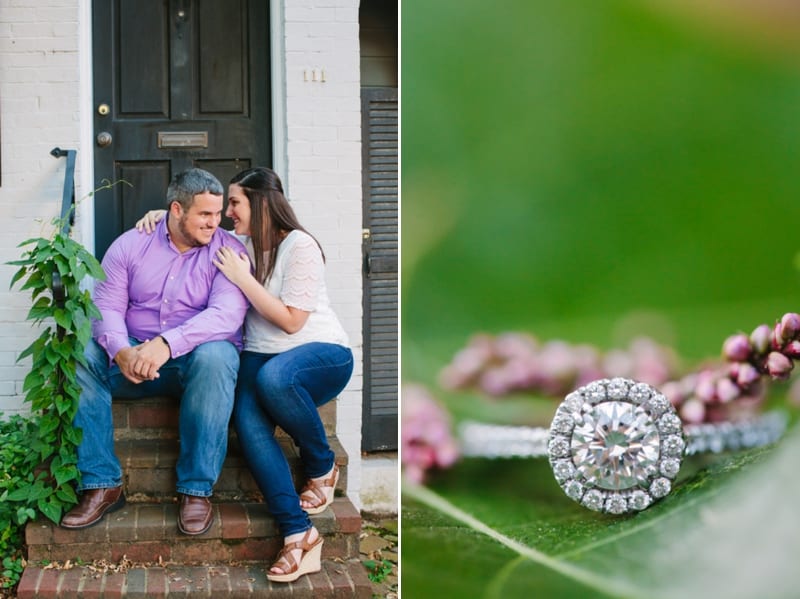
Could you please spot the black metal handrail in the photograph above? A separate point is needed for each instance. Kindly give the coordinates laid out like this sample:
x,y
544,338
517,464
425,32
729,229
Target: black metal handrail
x,y
67,212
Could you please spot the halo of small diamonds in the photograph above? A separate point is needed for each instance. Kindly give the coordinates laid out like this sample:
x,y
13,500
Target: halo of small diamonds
x,y
616,445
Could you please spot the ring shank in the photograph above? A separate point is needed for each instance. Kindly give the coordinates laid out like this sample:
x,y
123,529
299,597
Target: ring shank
x,y
505,441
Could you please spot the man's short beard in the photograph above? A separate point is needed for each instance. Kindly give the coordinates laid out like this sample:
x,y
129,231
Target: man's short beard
x,y
190,239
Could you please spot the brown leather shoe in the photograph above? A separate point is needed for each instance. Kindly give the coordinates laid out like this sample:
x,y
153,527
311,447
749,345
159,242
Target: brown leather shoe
x,y
94,504
194,515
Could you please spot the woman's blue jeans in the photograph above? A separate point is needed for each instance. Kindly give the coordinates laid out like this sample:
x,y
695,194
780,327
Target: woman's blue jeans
x,y
204,379
285,390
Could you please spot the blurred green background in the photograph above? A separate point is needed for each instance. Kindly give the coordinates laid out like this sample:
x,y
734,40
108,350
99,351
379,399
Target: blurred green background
x,y
591,171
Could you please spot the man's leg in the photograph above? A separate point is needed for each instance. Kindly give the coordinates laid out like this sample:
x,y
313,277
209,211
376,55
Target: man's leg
x,y
97,462
209,374
101,474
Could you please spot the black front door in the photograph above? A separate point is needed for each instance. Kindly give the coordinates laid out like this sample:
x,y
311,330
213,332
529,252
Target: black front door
x,y
177,83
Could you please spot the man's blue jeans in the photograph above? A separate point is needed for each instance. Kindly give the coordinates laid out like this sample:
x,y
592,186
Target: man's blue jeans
x,y
285,390
204,379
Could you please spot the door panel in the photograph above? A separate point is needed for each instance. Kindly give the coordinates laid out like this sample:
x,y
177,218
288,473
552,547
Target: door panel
x,y
186,84
223,59
147,180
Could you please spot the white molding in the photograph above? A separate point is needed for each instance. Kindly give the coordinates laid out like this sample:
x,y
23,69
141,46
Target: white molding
x,y
278,92
84,182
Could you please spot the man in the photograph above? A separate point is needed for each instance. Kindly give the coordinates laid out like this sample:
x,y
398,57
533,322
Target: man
x,y
171,325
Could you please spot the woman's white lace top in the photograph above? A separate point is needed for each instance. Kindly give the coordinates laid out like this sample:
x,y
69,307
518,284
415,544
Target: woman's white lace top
x,y
299,281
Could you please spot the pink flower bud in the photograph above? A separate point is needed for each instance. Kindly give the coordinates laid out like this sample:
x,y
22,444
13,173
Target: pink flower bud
x,y
760,337
426,440
705,389
789,326
673,392
775,337
736,348
693,411
792,349
747,374
778,365
727,390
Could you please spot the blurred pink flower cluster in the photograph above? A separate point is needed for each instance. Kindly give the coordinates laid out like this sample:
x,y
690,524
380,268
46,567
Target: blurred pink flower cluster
x,y
518,362
426,438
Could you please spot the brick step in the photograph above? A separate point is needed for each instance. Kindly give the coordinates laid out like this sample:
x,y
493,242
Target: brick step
x,y
157,418
148,467
148,532
339,579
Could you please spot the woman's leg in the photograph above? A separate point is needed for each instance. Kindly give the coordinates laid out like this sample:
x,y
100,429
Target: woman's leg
x,y
293,384
267,462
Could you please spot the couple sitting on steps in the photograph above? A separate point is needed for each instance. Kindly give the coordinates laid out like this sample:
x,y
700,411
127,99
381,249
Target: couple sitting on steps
x,y
177,292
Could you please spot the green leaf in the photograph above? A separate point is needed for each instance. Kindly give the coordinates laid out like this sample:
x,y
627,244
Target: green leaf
x,y
36,346
32,380
18,275
50,510
63,318
65,474
505,529
20,494
67,495
48,425
24,514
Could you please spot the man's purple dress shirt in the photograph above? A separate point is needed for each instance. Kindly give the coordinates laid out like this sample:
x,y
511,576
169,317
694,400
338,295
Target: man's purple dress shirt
x,y
152,289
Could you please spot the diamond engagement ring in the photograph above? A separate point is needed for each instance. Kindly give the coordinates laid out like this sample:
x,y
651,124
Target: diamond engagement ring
x,y
616,445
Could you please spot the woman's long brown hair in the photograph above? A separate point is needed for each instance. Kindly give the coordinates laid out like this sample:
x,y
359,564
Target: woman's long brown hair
x,y
270,216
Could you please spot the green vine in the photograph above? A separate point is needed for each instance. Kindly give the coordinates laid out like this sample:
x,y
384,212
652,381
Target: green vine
x,y
40,457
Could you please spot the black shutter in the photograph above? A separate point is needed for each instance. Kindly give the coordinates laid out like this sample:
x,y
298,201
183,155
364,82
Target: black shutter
x,y
379,120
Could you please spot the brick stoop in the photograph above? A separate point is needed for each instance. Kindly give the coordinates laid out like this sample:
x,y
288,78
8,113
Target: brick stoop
x,y
338,579
229,560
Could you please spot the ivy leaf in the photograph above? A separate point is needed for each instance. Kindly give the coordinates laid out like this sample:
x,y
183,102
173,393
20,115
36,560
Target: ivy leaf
x,y
20,494
65,474
63,318
50,510
36,346
67,494
21,273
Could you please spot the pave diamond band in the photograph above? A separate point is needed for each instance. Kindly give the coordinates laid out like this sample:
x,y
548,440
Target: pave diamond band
x,y
501,441
616,445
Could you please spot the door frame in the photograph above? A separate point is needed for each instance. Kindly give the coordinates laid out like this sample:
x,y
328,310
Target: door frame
x,y
85,158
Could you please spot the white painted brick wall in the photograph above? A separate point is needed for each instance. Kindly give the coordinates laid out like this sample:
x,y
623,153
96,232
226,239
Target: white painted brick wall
x,y
40,91
323,121
38,111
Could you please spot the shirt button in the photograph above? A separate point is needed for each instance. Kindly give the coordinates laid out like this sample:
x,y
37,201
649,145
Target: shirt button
x,y
163,322
166,301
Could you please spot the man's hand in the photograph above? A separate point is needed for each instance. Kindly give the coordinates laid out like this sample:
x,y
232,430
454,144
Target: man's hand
x,y
141,363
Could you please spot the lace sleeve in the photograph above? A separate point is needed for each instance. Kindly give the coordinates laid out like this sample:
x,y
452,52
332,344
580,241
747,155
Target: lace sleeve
x,y
303,275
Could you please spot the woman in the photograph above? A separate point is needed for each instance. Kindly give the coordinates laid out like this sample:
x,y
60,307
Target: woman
x,y
295,359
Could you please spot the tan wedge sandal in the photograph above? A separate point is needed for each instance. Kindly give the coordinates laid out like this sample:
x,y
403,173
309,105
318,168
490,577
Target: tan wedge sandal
x,y
320,492
310,559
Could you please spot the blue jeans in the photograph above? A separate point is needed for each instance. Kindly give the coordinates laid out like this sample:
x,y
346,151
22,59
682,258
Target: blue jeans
x,y
204,379
285,390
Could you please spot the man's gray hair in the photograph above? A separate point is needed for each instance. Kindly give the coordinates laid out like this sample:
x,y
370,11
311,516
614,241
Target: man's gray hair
x,y
187,184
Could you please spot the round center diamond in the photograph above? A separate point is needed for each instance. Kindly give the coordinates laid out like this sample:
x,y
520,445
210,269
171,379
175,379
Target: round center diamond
x,y
615,446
